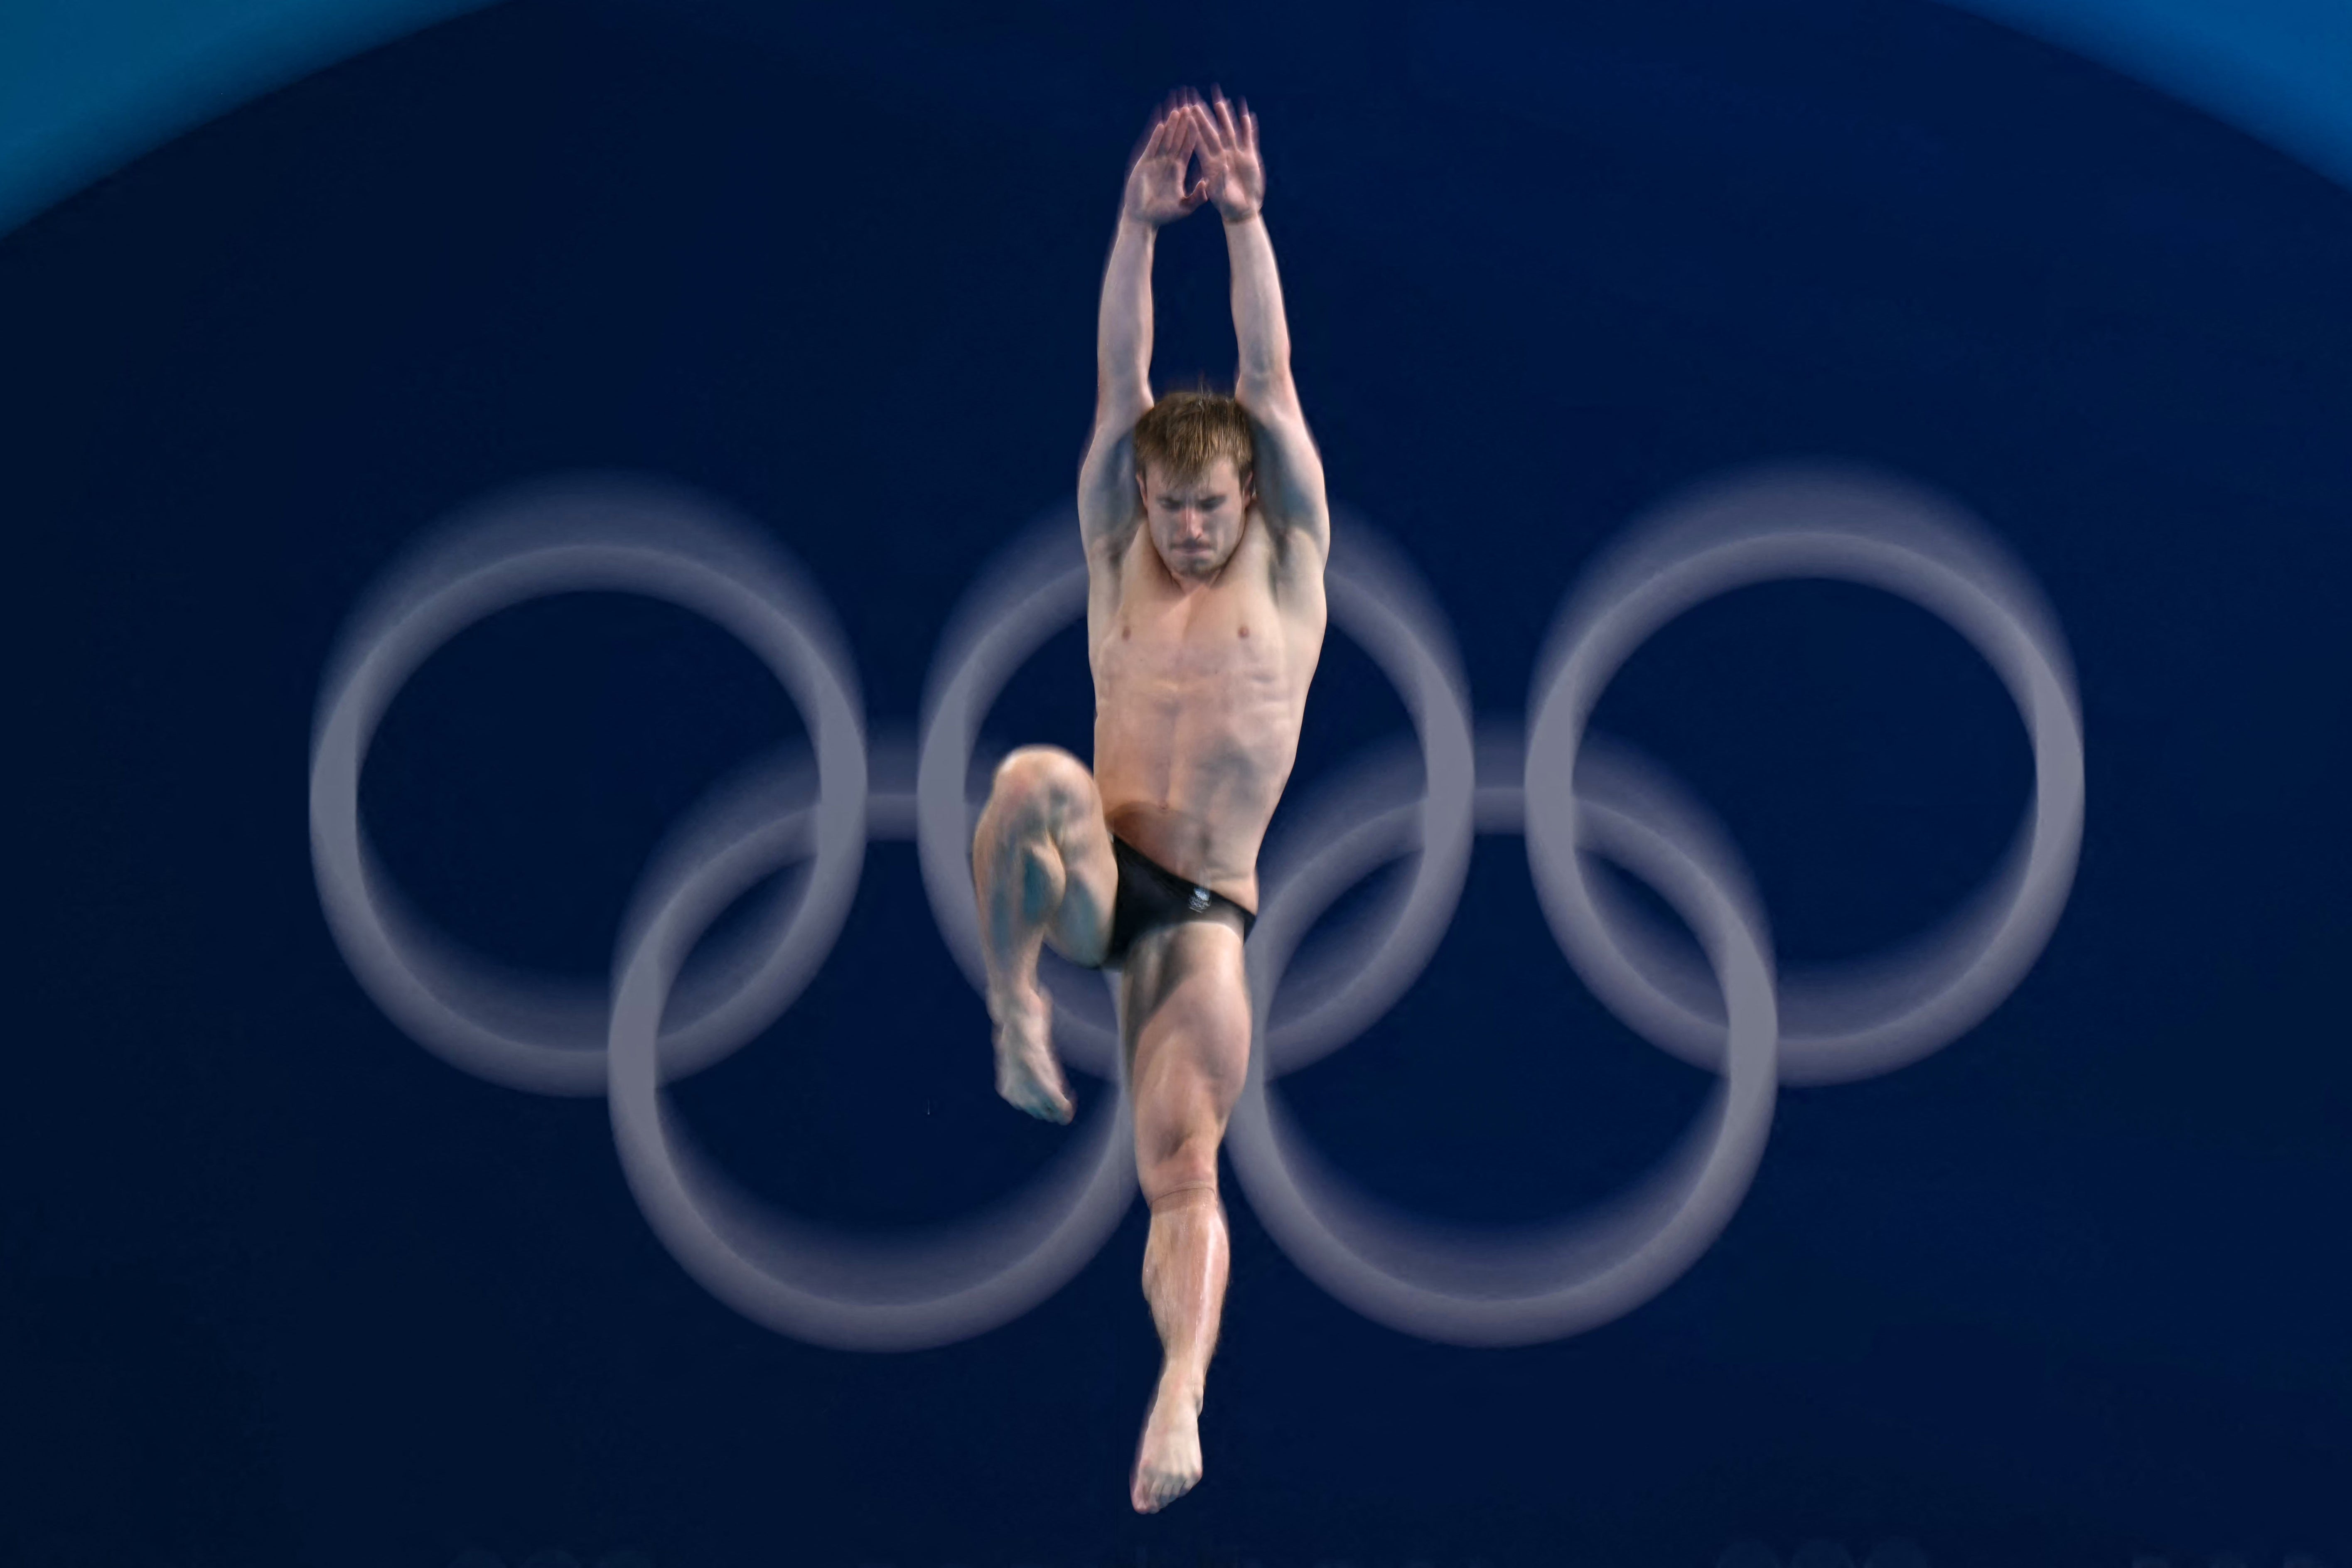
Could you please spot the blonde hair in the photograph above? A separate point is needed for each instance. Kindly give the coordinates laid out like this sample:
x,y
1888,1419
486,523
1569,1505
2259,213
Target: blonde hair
x,y
1185,432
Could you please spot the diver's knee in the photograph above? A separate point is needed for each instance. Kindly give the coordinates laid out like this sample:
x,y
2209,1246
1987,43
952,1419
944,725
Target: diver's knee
x,y
1185,1174
1043,784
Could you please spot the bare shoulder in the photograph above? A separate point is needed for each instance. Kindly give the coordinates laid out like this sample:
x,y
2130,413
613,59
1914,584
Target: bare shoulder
x,y
1290,494
1294,563
1110,512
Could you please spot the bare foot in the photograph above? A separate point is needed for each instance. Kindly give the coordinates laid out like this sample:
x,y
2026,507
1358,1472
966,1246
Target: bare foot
x,y
1168,1459
1027,1072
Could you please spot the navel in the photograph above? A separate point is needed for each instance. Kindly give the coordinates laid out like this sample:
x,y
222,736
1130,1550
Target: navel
x,y
1245,631
1125,633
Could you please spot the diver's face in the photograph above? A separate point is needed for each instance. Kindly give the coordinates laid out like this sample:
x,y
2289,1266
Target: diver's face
x,y
1196,523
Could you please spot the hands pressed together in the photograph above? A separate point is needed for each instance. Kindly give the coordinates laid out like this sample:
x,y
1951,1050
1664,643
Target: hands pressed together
x,y
1224,136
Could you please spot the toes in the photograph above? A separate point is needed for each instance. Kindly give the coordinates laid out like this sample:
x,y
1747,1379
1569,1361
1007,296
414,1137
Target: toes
x,y
1027,1089
1153,1490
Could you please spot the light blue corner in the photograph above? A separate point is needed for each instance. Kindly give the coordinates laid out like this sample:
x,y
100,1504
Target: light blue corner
x,y
88,85
2280,70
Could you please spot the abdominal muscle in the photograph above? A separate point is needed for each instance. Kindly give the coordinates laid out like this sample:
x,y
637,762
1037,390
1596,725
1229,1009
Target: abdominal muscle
x,y
1199,694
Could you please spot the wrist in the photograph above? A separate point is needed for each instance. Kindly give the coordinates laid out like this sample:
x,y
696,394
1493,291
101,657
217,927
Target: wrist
x,y
1236,219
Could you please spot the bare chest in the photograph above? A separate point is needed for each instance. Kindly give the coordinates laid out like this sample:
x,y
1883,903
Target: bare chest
x,y
1226,643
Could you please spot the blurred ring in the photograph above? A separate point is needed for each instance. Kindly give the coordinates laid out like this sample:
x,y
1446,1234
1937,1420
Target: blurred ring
x,y
607,533
1539,1282
816,1282
1855,1020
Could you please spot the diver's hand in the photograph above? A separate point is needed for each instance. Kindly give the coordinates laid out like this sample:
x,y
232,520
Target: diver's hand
x,y
1156,192
1231,169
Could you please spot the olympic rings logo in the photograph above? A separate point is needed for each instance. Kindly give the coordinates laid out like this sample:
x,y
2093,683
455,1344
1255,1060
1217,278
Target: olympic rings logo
x,y
1569,794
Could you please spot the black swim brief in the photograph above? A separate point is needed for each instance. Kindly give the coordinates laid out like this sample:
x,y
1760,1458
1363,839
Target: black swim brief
x,y
1151,896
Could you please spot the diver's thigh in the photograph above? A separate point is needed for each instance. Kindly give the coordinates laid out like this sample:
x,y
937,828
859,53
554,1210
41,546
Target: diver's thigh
x,y
1189,1038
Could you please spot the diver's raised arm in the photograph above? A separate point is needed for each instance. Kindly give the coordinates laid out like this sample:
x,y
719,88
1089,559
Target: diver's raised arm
x,y
1156,194
1289,470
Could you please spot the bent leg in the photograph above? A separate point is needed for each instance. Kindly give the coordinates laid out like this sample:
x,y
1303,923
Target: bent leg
x,y
1188,1053
1043,871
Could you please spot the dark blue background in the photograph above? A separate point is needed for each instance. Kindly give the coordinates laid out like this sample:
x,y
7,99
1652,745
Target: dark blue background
x,y
277,1286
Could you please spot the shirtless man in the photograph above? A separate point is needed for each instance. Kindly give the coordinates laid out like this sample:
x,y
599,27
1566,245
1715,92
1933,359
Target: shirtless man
x,y
1205,531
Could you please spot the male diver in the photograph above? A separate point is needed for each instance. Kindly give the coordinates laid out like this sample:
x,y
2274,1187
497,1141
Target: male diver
x,y
1205,529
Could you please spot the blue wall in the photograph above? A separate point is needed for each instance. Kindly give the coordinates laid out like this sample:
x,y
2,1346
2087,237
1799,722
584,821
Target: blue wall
x,y
278,1286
